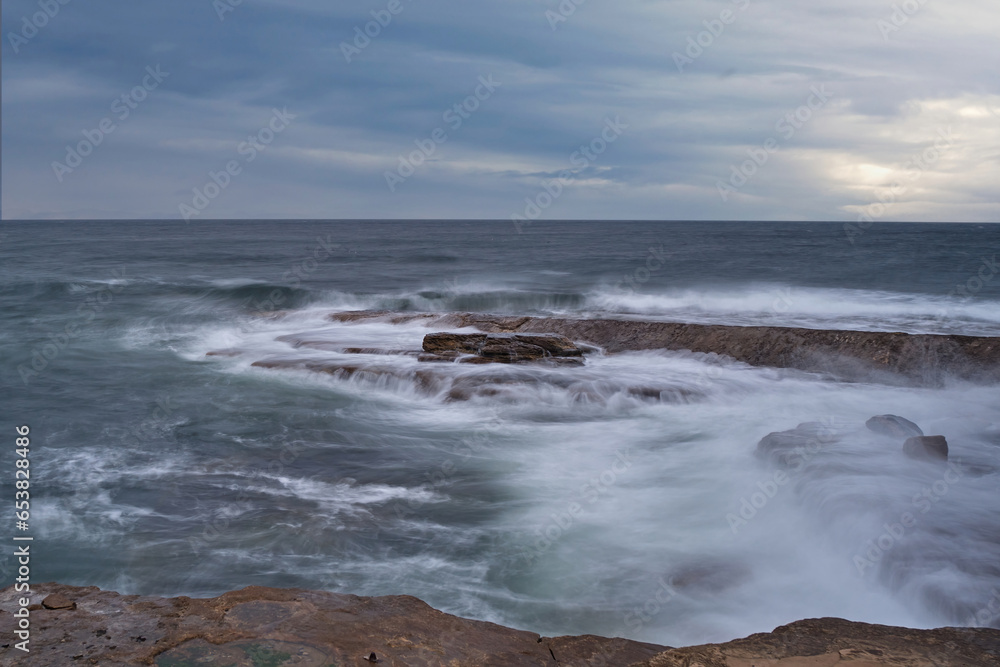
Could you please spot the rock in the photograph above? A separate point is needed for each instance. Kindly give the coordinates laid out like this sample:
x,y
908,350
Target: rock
x,y
452,343
893,426
794,447
285,627
500,347
927,448
834,641
891,357
57,601
223,353
280,628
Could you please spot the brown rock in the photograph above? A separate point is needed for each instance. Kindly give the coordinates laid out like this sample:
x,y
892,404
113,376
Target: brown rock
x,y
927,448
439,343
279,627
57,601
833,641
284,627
893,426
854,355
501,347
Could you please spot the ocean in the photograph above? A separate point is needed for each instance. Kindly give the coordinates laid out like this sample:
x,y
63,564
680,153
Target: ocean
x,y
561,501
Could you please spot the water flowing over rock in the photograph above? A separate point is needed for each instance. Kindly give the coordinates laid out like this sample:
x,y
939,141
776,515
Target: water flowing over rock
x,y
891,357
927,448
893,426
793,447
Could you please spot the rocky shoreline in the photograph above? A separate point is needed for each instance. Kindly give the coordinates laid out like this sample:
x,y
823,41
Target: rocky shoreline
x,y
269,627
851,355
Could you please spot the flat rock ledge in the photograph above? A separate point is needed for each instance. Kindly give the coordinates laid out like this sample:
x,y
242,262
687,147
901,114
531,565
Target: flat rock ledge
x,y
283,627
504,348
924,359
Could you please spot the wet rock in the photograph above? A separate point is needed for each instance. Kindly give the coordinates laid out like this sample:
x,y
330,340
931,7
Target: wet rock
x,y
793,447
927,448
712,577
890,357
499,347
893,426
223,353
453,343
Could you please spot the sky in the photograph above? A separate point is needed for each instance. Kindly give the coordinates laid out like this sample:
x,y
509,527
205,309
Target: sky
x,y
533,109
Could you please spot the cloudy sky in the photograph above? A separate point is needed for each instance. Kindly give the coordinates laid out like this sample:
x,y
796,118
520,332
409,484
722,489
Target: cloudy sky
x,y
632,109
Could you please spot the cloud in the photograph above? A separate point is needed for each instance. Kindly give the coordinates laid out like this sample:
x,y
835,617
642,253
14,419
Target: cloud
x,y
752,63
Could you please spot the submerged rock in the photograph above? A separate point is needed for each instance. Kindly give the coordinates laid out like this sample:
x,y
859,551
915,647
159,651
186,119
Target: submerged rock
x,y
794,447
893,426
927,448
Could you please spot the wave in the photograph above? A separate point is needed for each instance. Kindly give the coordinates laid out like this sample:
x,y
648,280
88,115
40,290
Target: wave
x,y
810,307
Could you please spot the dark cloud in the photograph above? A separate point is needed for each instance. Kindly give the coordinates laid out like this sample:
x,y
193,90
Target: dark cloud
x,y
740,68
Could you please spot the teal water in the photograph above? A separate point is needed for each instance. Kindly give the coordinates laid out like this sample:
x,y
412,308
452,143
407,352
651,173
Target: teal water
x,y
561,503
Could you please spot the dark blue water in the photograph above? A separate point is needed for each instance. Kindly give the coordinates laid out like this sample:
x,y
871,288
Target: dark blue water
x,y
158,469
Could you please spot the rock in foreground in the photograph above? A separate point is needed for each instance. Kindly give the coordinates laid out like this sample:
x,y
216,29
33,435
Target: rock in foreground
x,y
284,627
277,627
826,642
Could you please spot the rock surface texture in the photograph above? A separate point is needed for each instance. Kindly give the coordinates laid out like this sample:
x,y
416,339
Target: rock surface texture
x,y
499,348
285,627
927,359
827,642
